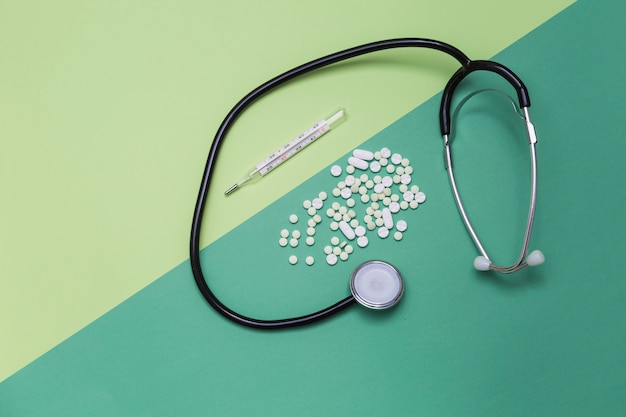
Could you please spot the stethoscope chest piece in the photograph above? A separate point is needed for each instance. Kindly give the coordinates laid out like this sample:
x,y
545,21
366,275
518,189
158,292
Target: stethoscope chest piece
x,y
376,285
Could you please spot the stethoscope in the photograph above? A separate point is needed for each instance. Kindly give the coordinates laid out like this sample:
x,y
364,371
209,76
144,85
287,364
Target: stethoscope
x,y
375,284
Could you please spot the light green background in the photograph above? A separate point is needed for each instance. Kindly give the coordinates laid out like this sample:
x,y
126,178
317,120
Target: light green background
x,y
107,110
547,341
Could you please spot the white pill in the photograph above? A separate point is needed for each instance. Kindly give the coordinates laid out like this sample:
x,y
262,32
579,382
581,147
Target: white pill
x,y
420,197
283,242
293,242
400,170
405,179
408,196
350,202
295,234
408,170
336,192
293,218
386,201
380,222
401,225
359,231
331,259
293,259
348,249
396,158
284,233
363,154
346,193
306,204
317,203
358,163
310,240
350,169
395,198
335,170
334,240
309,260
362,241
415,189
385,152
375,166
394,207
413,204
405,162
391,169
387,181
387,218
330,212
397,179
334,226
317,218
378,179
354,223
328,249
377,155
347,231
323,195
383,162
365,198
403,188
397,235
379,188
310,231
404,205
336,250
383,232
337,217
369,184
311,211
363,178
371,226
349,180
311,223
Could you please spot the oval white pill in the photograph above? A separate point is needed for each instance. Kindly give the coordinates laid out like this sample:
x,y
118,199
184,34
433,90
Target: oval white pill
x,y
363,154
347,231
387,218
362,241
401,225
383,232
335,170
331,259
358,163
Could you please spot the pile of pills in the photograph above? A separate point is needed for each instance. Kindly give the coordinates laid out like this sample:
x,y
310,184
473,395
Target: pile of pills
x,y
371,190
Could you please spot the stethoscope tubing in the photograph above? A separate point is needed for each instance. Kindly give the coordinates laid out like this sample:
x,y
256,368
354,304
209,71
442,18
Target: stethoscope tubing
x,y
467,66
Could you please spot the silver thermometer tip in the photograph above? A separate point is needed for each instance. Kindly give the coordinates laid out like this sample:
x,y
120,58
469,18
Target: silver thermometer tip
x,y
231,189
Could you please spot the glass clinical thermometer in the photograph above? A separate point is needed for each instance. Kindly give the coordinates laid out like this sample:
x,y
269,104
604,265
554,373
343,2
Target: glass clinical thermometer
x,y
287,151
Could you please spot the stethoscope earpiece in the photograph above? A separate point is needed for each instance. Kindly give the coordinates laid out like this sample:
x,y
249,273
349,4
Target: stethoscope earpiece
x,y
534,258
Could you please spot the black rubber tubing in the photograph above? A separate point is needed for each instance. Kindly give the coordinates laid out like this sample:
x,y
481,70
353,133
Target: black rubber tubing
x,y
467,66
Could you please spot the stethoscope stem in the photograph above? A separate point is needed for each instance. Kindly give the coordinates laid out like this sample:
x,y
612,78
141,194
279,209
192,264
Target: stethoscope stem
x,y
483,262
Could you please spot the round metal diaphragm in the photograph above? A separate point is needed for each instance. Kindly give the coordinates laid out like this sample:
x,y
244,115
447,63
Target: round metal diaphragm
x,y
376,284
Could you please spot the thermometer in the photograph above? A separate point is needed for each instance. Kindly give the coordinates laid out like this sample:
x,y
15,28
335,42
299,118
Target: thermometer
x,y
290,149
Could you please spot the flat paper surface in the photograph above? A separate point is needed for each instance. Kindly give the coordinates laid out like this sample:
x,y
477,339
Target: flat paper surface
x,y
546,341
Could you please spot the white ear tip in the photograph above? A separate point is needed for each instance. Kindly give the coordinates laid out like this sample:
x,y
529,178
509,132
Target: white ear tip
x,y
481,263
535,258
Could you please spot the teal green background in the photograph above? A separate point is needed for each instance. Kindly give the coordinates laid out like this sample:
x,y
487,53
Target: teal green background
x,y
546,341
